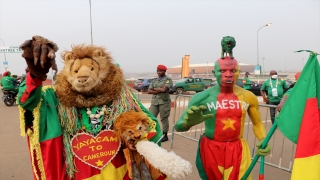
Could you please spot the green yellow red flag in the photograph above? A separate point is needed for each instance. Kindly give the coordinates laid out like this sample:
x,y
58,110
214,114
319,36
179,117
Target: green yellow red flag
x,y
299,121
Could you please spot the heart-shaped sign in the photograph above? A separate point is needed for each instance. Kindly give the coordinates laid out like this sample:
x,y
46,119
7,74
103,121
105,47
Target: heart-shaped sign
x,y
96,151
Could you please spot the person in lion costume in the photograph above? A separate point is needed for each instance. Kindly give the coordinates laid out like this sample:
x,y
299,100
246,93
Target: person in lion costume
x,y
69,127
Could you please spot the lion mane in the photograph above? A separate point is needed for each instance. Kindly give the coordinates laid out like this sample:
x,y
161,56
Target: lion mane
x,y
131,125
89,77
227,43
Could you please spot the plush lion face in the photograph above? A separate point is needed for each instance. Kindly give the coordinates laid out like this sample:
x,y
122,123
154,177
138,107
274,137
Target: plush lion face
x,y
131,125
228,43
85,66
88,78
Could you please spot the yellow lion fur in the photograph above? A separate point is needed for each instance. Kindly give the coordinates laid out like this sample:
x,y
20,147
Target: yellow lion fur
x,y
105,79
126,127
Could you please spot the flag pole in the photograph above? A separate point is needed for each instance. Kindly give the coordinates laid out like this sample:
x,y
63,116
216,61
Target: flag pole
x,y
264,144
261,175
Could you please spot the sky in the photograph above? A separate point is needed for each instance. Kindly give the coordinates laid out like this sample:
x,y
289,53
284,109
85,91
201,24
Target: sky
x,y
142,34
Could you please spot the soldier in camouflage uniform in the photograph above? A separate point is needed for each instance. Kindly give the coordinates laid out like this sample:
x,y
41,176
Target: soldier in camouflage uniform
x,y
161,101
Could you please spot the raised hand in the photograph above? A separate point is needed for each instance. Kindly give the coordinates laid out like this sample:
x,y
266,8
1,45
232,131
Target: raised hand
x,y
42,49
194,116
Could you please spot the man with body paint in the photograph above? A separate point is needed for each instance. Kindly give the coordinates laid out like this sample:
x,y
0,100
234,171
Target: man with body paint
x,y
222,151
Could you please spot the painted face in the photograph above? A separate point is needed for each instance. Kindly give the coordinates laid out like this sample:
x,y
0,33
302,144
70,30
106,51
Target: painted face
x,y
226,72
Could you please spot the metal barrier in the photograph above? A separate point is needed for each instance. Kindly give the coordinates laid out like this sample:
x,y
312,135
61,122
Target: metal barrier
x,y
282,149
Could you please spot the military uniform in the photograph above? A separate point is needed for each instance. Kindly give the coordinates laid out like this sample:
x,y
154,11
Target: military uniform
x,y
161,102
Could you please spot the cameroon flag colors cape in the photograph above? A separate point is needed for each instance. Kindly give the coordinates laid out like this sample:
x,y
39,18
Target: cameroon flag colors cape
x,y
45,140
299,121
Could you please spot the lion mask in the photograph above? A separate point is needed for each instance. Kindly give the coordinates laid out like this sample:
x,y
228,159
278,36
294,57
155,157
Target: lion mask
x,y
89,78
131,125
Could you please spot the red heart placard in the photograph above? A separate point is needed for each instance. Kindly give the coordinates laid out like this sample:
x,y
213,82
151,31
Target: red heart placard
x,y
96,151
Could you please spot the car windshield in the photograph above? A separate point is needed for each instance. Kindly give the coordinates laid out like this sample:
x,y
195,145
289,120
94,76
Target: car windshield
x,y
182,80
138,81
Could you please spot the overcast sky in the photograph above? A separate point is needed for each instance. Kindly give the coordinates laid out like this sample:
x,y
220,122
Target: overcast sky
x,y
142,34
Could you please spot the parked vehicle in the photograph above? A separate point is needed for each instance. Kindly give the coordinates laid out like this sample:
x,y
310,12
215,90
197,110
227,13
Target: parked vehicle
x,y
9,97
187,84
142,84
207,82
255,87
213,83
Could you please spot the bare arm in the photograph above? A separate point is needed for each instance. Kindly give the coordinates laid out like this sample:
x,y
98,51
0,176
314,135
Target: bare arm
x,y
254,114
283,100
264,96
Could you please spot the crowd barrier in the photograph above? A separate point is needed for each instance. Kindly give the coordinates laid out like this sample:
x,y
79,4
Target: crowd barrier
x,y
282,149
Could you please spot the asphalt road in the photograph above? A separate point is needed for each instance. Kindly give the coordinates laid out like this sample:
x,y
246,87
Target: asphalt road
x,y
15,161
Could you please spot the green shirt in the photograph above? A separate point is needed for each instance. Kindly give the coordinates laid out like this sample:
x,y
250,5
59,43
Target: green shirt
x,y
7,83
161,98
279,84
246,83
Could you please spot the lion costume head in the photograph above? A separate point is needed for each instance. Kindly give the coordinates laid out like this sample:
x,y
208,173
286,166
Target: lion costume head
x,y
131,125
89,78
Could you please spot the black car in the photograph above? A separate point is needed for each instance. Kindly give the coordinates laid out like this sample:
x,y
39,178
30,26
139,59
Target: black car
x,y
213,83
255,87
142,84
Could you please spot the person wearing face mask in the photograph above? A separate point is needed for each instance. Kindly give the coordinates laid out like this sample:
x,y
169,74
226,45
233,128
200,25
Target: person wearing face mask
x,y
161,102
275,88
246,81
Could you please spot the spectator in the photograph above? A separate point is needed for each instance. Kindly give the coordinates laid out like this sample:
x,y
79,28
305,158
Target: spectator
x,y
9,83
287,93
223,153
161,101
246,81
275,88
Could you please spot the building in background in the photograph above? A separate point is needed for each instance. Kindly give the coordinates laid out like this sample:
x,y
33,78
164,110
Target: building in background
x,y
203,70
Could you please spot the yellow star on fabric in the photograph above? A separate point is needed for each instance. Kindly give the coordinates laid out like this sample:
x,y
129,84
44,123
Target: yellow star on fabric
x,y
228,124
99,163
225,172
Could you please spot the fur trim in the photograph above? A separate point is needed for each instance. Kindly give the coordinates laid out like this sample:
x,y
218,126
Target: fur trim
x,y
110,77
167,162
47,41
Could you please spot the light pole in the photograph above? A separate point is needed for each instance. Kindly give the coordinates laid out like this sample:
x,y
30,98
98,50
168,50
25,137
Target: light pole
x,y
90,23
263,64
207,70
269,24
5,59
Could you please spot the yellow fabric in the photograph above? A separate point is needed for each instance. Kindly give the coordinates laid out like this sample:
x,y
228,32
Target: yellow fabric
x,y
246,159
22,122
105,174
307,168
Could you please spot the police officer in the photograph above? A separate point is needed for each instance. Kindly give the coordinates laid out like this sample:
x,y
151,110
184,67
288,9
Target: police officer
x,y
161,101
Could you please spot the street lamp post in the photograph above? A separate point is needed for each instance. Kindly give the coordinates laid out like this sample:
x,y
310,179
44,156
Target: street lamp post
x,y
207,70
263,64
90,23
5,59
269,24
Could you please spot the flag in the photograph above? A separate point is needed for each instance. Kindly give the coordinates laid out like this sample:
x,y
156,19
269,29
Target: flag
x,y
299,121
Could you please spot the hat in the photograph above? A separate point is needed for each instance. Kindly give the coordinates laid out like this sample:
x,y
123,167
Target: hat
x,y
162,67
297,75
6,73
